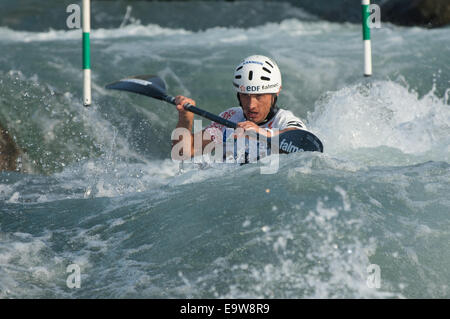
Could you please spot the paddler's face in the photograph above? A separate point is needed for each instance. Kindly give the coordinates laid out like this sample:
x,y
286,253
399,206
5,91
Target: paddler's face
x,y
256,106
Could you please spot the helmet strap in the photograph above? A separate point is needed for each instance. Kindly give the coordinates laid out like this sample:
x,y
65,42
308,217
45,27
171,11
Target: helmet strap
x,y
273,110
240,103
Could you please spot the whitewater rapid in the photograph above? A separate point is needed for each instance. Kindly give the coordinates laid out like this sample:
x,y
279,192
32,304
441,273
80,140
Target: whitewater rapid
x,y
104,194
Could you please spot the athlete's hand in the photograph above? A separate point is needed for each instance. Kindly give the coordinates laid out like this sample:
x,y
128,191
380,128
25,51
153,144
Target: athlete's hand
x,y
180,101
249,127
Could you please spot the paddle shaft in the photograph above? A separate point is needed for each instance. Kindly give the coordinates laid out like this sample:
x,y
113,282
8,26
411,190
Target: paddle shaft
x,y
202,113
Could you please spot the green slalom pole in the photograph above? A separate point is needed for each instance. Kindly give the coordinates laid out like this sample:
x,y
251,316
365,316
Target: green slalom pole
x,y
86,53
366,38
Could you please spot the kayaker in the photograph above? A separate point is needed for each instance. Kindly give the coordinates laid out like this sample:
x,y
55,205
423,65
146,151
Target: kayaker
x,y
257,81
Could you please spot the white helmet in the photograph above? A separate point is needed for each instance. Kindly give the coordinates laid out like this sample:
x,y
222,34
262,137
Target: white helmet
x,y
257,74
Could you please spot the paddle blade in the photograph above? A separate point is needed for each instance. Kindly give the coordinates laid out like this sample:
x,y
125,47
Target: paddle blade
x,y
297,140
149,85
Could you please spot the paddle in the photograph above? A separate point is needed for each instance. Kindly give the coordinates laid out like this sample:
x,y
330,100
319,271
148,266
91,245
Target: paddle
x,y
153,86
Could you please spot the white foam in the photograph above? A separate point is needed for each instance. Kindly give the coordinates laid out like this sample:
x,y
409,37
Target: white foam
x,y
327,267
5,191
291,27
151,30
345,198
14,198
384,114
25,267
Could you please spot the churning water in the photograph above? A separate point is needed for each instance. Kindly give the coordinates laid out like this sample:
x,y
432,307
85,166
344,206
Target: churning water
x,y
101,190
